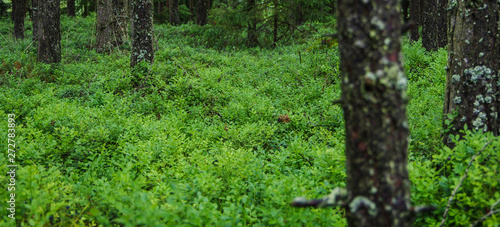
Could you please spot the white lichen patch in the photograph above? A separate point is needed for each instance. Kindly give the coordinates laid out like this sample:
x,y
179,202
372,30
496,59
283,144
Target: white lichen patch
x,y
481,54
457,100
463,119
378,23
335,198
361,201
488,99
455,78
478,72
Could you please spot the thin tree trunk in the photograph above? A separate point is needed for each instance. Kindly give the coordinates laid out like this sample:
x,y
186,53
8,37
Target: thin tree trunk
x,y
374,102
174,12
472,79
49,32
71,8
19,13
252,26
275,23
142,32
36,18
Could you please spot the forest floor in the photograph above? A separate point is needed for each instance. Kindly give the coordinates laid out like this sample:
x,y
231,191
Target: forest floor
x,y
207,136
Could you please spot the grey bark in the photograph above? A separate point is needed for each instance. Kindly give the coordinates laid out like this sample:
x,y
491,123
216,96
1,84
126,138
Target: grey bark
x,y
112,18
142,32
374,102
49,32
472,79
19,13
433,24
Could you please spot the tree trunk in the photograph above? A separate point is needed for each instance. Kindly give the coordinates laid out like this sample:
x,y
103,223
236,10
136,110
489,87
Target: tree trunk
x,y
416,17
433,24
374,102
472,79
112,18
173,10
49,32
275,23
71,8
35,19
142,32
252,26
405,5
202,12
19,13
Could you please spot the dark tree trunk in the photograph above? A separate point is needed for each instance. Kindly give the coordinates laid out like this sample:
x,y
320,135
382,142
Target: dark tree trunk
x,y
173,9
433,24
112,18
71,8
192,9
252,27
142,32
202,12
429,25
405,5
472,80
36,18
49,32
19,13
442,23
416,17
374,102
275,23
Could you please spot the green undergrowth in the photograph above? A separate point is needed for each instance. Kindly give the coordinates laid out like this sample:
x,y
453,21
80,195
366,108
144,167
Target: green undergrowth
x,y
206,136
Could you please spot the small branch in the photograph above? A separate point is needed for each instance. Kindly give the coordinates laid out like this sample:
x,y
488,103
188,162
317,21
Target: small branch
x,y
338,197
460,183
488,214
194,66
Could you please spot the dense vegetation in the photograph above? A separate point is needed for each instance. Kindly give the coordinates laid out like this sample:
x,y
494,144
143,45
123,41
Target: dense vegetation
x,y
211,134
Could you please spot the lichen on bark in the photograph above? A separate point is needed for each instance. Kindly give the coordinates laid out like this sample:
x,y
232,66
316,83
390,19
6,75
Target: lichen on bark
x,y
142,32
473,67
374,102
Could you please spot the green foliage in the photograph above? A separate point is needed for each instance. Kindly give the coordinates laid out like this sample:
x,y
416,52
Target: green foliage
x,y
433,182
195,138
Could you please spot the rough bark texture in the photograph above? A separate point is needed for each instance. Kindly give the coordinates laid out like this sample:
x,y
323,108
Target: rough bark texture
x,y
71,8
433,24
202,12
252,27
374,102
416,17
472,80
49,32
173,12
19,13
142,32
112,18
405,4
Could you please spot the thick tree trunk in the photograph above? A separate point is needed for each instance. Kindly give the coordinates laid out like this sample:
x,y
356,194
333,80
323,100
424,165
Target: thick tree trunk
x,y
442,23
173,9
71,8
472,80
374,102
112,18
202,12
405,5
49,32
416,17
19,13
142,32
